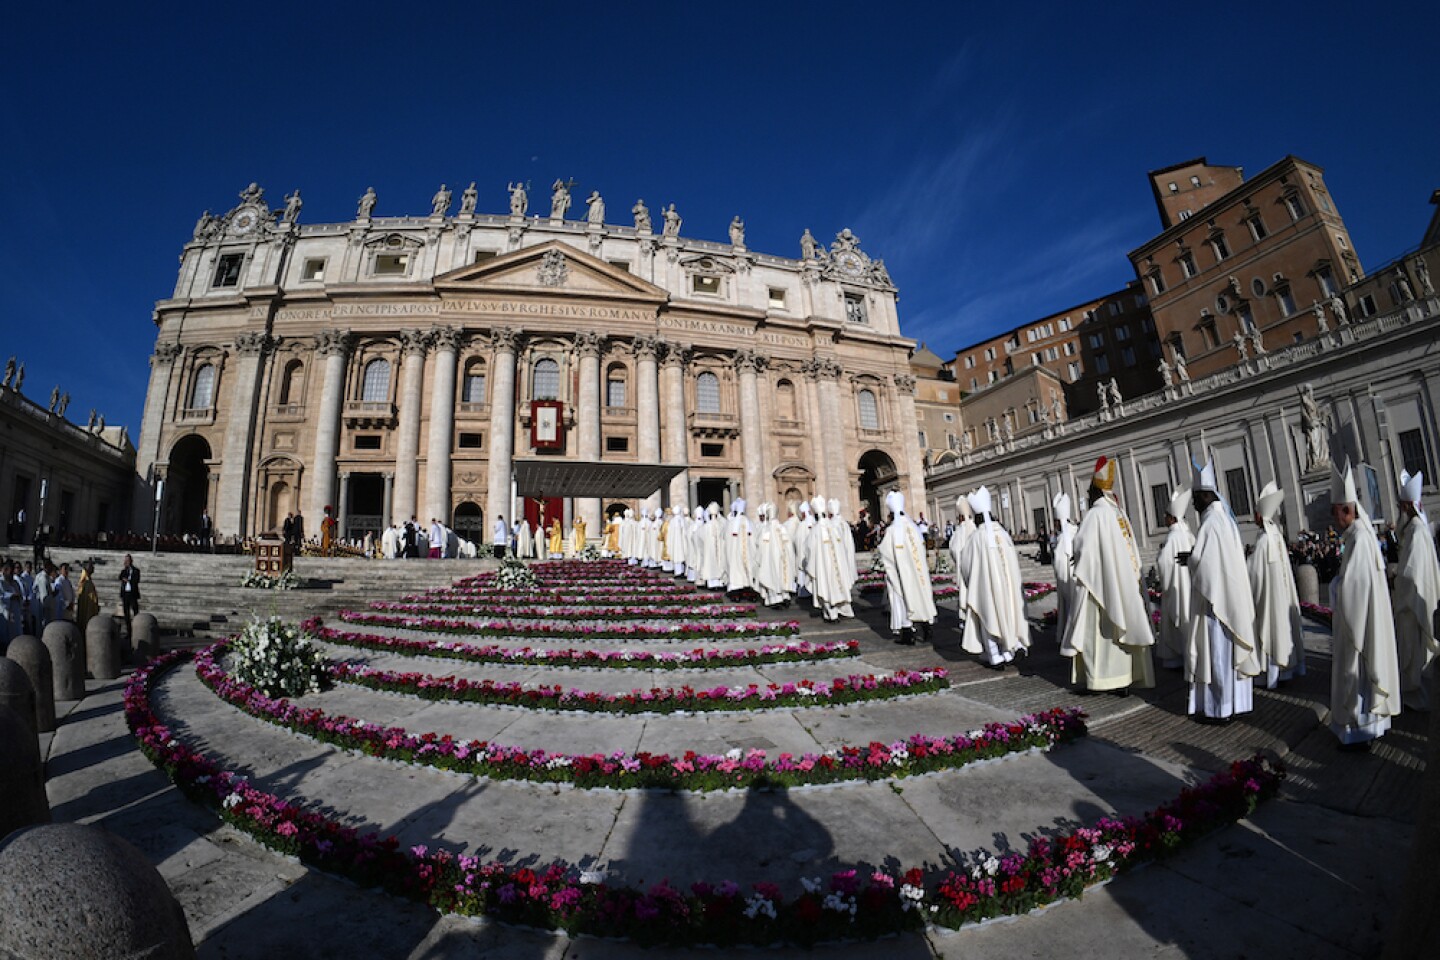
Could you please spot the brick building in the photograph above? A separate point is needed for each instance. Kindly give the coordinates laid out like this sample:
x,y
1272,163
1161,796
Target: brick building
x,y
1239,265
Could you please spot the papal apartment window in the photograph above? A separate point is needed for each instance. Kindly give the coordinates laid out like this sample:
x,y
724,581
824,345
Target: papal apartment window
x,y
706,285
391,264
1187,265
1295,207
989,353
545,383
1220,246
970,363
993,376
1326,279
227,270
855,309
1035,359
314,269
1257,228
776,298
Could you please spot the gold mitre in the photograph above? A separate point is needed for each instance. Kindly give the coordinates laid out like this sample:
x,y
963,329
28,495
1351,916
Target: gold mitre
x,y
1105,474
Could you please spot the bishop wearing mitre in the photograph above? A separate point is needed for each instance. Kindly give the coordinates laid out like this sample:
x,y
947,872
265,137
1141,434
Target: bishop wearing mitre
x,y
1277,603
1417,591
995,624
959,543
907,575
1174,627
1063,561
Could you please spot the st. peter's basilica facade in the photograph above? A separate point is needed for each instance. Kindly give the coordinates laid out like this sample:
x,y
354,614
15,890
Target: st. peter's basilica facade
x,y
409,366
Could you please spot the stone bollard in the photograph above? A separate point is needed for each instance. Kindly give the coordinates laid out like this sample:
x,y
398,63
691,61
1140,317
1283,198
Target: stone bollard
x,y
17,693
85,893
102,647
34,659
22,781
67,659
1307,583
145,637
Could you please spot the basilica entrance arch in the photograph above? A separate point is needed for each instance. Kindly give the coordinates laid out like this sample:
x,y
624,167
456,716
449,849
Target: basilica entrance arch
x,y
876,471
187,485
469,522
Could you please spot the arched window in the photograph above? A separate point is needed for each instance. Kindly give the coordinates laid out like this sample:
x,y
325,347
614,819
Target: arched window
x,y
202,395
615,386
785,400
707,393
547,380
473,390
869,412
290,382
375,388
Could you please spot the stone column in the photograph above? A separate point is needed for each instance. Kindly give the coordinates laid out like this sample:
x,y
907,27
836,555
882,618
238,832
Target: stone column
x,y
815,419
502,426
147,452
914,456
387,515
587,412
676,430
342,519
334,346
229,516
442,426
752,436
413,345
833,442
647,403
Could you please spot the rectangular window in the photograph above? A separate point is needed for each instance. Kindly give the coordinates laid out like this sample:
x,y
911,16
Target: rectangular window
x,y
1064,324
1257,228
474,390
712,449
1208,334
1367,305
777,298
621,265
1102,363
1246,318
993,376
367,441
855,309
1186,214
1160,501
1097,341
1122,332
482,255
391,264
1074,370
989,353
1052,354
1325,201
974,384
1187,265
1285,301
1239,492
227,270
1035,359
472,441
314,269
614,392
1127,356
1413,452
1070,348
923,444
617,444
1115,308
706,285
949,418
970,363
1157,283
1295,207
1221,247
1177,345
1326,279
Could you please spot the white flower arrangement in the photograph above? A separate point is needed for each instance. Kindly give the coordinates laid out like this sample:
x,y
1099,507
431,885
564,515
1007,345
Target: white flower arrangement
x,y
589,553
515,575
277,659
260,581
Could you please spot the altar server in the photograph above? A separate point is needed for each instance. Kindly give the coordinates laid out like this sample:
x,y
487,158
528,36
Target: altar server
x,y
1417,591
995,625
1172,638
1223,660
1108,634
1365,672
907,574
1277,604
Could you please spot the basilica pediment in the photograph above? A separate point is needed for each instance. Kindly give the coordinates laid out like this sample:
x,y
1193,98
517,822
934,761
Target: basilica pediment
x,y
553,268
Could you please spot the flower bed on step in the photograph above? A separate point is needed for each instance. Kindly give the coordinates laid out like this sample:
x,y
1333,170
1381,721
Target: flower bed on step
x,y
564,631
793,651
524,610
620,770
850,904
801,693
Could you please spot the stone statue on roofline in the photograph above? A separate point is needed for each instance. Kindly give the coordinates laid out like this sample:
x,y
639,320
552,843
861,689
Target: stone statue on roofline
x,y
672,222
440,203
737,232
292,207
642,216
595,208
367,204
519,199
468,199
560,198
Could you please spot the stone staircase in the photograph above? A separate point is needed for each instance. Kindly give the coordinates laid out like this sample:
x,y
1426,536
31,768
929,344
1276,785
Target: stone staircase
x,y
198,596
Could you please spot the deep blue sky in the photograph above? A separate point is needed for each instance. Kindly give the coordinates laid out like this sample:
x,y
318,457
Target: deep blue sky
x,y
995,158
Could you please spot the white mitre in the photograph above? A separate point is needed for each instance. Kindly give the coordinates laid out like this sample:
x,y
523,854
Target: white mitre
x,y
1267,505
1342,486
895,502
980,501
962,504
1180,503
1203,478
1061,504
1410,486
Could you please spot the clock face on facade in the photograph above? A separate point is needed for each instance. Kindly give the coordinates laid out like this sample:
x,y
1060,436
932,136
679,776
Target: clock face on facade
x,y
246,219
849,263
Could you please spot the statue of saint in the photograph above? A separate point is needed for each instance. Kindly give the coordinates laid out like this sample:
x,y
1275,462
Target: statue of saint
x,y
203,225
642,216
1322,325
1337,306
440,203
20,378
1180,372
519,201
64,404
367,204
9,371
560,198
737,232
468,198
808,246
1242,345
1422,271
1402,284
595,212
1257,342
1055,412
292,207
1103,390
1316,425
100,423
90,424
672,222
1165,374
54,398
967,443
1115,397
